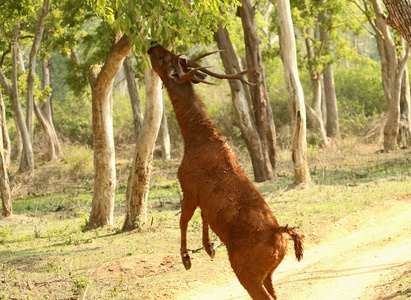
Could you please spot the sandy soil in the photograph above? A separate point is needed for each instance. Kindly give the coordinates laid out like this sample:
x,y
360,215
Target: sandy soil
x,y
361,257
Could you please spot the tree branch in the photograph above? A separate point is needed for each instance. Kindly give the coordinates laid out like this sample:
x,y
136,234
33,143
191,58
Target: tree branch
x,y
358,20
402,63
5,83
4,55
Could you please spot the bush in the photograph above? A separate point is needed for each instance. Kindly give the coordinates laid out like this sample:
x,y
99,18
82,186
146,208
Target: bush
x,y
123,121
360,97
79,162
72,119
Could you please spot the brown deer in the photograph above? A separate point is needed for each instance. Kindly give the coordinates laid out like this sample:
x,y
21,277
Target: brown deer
x,y
212,179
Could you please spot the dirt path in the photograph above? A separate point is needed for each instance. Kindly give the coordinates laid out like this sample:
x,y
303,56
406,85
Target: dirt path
x,y
354,265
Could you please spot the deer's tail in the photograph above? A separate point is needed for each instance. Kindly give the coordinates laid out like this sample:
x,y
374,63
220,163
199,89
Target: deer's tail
x,y
297,238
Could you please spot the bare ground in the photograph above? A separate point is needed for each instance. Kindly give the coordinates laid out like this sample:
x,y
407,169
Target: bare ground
x,y
362,258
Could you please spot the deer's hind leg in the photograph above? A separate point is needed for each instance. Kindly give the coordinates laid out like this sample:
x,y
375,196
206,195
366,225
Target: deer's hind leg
x,y
255,287
268,283
251,270
281,247
207,244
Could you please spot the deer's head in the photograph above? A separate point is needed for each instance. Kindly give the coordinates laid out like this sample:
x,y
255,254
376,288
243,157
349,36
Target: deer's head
x,y
170,66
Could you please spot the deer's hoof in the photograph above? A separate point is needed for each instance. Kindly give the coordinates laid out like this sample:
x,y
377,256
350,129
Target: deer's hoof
x,y
210,250
186,261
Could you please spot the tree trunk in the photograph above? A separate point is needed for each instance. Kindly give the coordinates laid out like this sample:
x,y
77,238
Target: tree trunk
x,y
133,92
139,179
333,129
19,142
45,118
295,95
53,144
38,36
399,17
391,128
392,69
262,108
20,60
404,136
6,203
5,132
323,104
314,111
259,156
4,182
27,157
164,135
101,82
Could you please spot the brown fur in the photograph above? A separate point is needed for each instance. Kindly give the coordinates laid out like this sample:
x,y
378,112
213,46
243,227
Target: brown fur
x,y
230,204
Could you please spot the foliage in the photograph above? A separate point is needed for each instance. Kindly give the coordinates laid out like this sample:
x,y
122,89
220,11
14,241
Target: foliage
x,y
359,95
73,119
123,120
163,21
338,25
79,162
147,23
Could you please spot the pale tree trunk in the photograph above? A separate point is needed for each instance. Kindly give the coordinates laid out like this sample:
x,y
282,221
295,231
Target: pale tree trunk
x,y
47,107
399,17
314,111
101,82
20,60
47,110
19,142
5,133
6,203
262,108
38,36
404,136
295,95
27,157
45,118
164,135
392,69
259,155
332,125
133,93
391,128
139,179
323,104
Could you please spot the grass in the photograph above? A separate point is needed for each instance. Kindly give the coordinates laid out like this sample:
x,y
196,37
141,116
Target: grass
x,y
44,254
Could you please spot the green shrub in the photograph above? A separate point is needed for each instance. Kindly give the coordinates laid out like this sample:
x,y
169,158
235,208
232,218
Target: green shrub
x,y
360,97
72,119
78,162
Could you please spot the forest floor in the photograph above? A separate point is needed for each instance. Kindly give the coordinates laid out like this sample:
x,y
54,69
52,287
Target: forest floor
x,y
356,220
373,261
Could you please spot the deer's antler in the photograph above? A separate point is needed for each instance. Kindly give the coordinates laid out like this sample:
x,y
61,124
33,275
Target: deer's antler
x,y
192,75
196,76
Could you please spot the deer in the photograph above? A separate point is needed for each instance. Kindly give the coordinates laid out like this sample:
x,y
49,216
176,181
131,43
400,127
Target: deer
x,y
212,179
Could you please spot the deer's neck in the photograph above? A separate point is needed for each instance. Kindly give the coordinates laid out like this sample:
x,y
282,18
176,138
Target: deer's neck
x,y
195,125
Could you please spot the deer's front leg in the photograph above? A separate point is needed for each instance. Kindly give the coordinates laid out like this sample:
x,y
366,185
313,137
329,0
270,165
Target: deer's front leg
x,y
186,215
208,245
